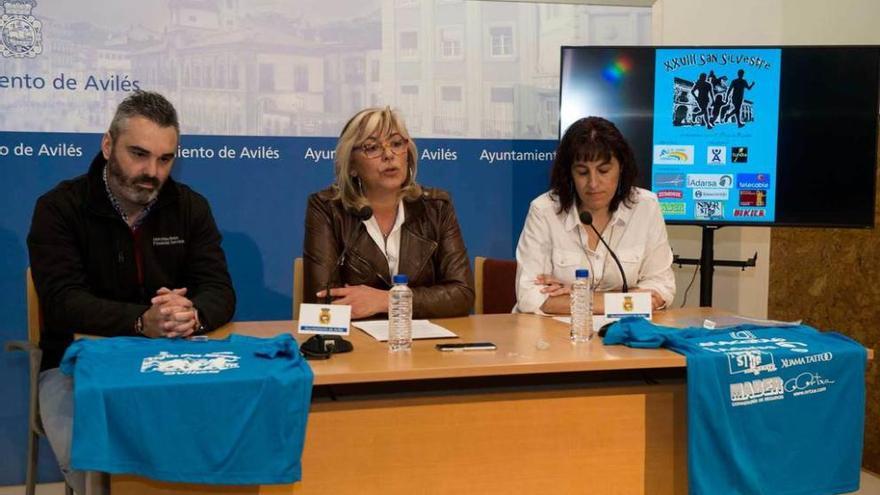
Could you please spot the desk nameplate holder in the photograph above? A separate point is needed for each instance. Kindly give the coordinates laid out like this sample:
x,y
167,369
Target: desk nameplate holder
x,y
620,305
324,319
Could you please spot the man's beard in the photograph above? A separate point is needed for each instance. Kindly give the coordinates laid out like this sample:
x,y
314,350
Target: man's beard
x,y
129,187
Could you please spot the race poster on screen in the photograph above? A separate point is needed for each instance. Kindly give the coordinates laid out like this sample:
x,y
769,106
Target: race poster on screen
x,y
716,117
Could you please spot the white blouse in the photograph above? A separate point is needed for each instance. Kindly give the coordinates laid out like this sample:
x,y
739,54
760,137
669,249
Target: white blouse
x,y
389,246
557,244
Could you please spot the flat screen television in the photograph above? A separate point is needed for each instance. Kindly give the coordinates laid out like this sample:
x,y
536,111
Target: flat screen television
x,y
763,135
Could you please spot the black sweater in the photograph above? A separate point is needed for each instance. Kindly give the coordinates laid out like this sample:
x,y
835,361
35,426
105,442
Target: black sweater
x,y
82,257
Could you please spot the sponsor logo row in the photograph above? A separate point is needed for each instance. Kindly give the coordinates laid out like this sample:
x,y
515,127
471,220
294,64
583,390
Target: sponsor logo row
x,y
747,197
754,362
709,210
774,388
683,154
710,192
713,181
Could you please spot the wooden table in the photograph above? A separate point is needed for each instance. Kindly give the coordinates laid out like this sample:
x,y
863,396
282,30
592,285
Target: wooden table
x,y
522,419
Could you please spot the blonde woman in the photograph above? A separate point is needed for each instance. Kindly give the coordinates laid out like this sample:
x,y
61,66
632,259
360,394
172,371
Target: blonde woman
x,y
386,224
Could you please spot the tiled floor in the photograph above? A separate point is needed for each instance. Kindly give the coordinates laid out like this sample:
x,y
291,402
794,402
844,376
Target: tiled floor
x,y
870,486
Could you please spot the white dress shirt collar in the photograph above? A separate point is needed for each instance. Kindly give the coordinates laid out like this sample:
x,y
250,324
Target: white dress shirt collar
x,y
619,217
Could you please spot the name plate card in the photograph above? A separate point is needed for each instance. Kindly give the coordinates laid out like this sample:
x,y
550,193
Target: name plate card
x,y
620,305
325,319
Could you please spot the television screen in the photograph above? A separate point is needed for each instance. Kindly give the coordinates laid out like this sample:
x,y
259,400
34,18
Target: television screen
x,y
740,135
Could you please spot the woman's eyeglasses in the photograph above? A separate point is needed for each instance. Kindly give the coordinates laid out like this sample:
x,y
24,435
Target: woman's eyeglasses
x,y
373,148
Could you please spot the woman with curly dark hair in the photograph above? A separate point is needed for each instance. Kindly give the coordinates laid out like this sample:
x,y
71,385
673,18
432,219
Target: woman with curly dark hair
x,y
594,171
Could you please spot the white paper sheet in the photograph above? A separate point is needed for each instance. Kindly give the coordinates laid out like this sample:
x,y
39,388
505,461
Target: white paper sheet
x,y
421,329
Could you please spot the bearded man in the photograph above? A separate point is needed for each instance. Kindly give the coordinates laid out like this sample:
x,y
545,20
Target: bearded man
x,y
123,250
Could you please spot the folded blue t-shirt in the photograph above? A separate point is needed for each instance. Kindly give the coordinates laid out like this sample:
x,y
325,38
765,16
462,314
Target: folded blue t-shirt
x,y
227,411
771,410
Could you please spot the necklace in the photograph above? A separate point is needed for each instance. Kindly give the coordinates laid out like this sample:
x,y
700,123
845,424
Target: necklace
x,y
595,284
385,235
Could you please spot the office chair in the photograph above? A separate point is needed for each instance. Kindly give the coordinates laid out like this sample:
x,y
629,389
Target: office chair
x,y
495,284
35,355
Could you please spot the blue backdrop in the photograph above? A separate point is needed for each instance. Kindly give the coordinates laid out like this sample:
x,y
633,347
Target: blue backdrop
x,y
259,204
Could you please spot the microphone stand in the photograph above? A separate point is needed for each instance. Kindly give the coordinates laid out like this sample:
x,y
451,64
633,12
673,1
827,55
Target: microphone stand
x,y
361,215
587,219
322,346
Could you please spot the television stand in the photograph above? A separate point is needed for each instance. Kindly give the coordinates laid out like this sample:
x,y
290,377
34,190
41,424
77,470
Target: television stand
x,y
707,263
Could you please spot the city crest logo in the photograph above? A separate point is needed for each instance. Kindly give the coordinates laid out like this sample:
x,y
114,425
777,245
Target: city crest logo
x,y
21,34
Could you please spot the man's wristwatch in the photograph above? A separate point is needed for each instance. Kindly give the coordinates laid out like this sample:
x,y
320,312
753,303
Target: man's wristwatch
x,y
199,327
139,325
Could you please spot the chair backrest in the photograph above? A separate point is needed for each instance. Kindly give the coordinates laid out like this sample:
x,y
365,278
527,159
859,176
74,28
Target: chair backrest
x,y
297,286
495,284
34,316
35,356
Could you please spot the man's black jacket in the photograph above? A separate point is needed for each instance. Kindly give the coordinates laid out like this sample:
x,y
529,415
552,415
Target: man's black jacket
x,y
82,257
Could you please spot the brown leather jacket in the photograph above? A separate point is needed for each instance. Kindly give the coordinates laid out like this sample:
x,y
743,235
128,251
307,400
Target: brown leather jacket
x,y
432,253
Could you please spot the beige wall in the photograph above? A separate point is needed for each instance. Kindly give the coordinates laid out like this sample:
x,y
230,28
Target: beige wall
x,y
830,22
710,22
721,22
825,277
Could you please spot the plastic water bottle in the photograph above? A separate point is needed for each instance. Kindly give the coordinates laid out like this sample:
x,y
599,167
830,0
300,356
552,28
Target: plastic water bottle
x,y
581,307
400,315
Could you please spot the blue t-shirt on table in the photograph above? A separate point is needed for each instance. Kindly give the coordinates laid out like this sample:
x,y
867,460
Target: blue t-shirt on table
x,y
229,411
771,410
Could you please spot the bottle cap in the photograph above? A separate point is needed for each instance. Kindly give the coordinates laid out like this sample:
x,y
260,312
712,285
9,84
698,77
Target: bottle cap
x,y
400,279
582,273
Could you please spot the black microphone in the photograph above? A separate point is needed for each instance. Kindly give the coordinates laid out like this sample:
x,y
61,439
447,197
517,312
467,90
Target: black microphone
x,y
361,215
587,219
